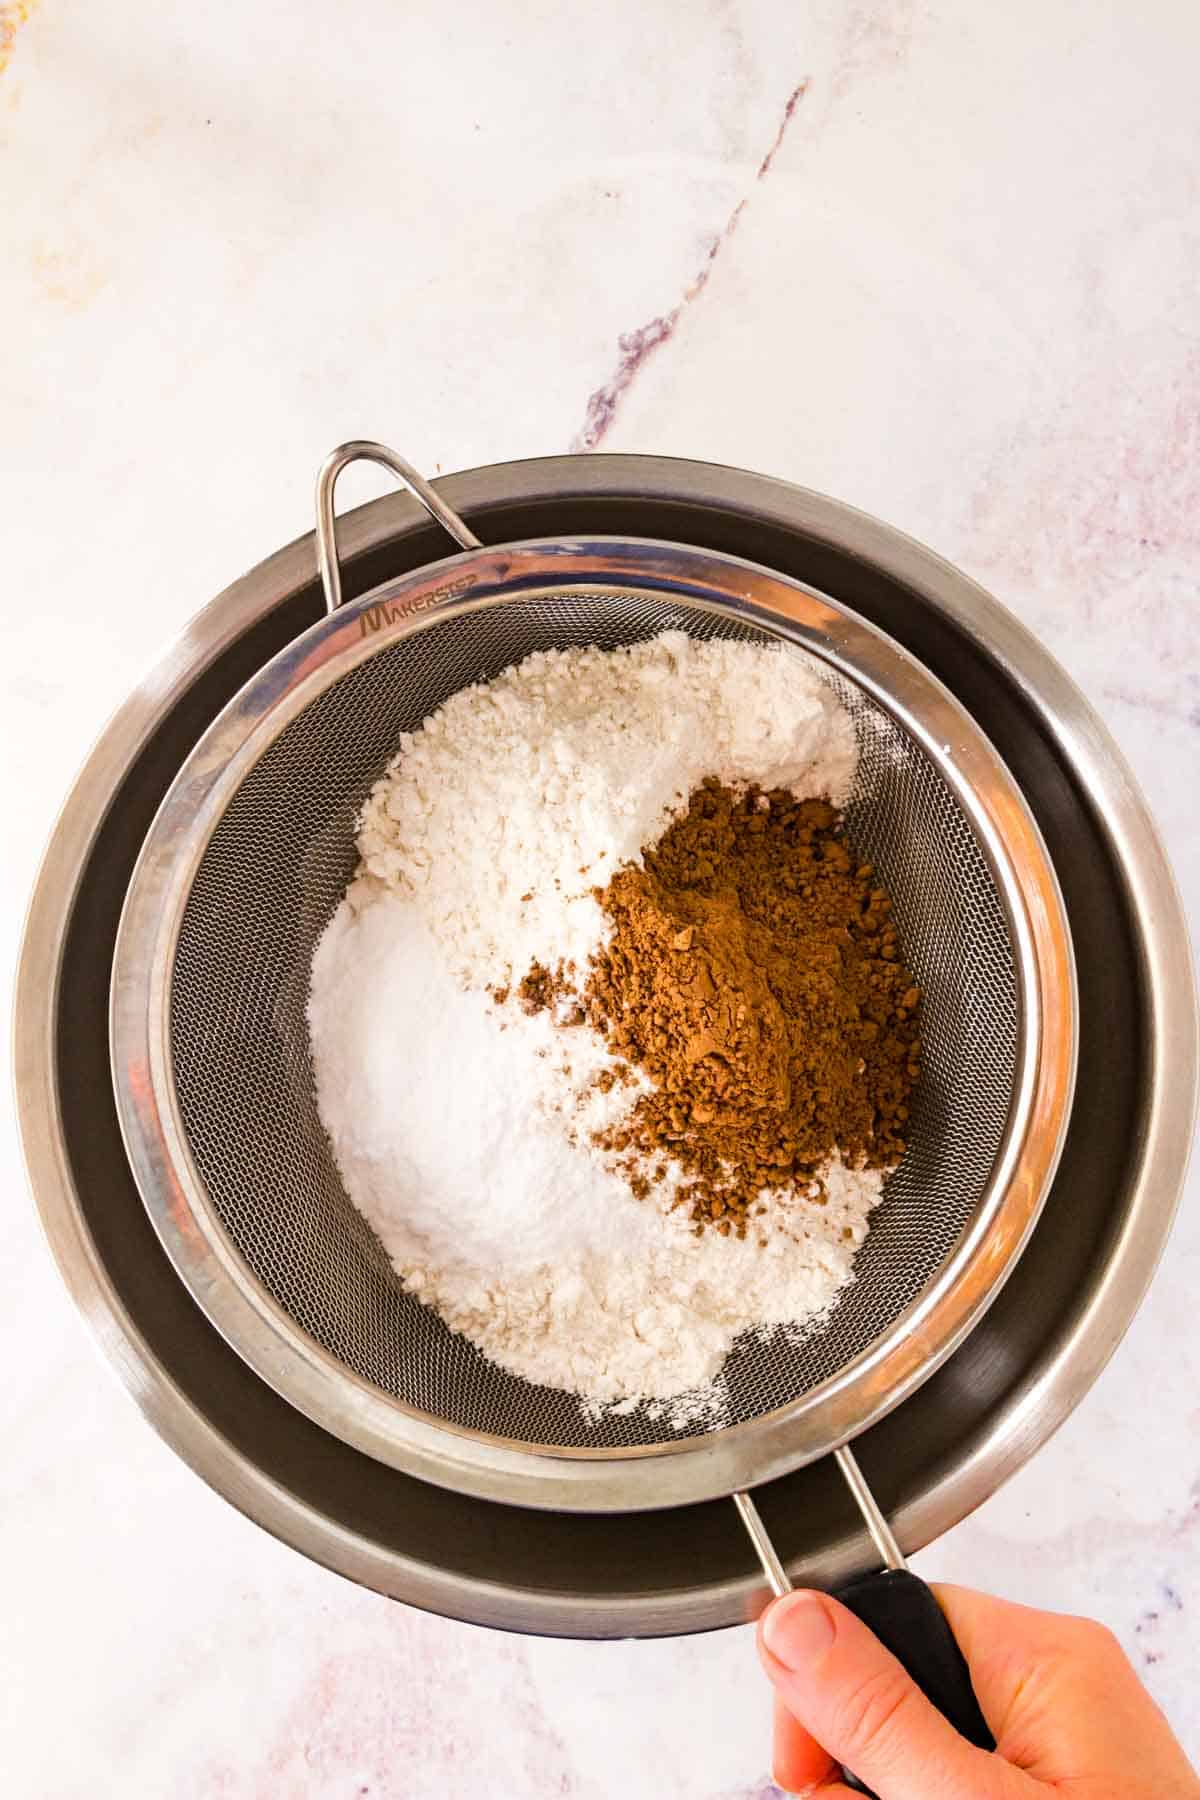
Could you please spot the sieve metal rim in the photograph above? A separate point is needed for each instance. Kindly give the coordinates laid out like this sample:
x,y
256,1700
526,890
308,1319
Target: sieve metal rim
x,y
259,1329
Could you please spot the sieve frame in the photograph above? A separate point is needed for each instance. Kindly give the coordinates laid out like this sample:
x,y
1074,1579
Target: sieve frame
x,y
317,1383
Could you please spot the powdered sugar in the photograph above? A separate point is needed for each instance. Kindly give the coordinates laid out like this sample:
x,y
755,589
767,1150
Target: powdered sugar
x,y
441,1107
517,798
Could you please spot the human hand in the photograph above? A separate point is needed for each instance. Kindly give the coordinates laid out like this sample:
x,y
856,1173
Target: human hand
x,y
1067,1711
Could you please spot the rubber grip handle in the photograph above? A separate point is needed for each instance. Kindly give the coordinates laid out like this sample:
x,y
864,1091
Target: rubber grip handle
x,y
904,1615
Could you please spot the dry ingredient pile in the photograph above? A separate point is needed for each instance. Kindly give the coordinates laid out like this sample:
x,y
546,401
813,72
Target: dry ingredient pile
x,y
753,976
611,1034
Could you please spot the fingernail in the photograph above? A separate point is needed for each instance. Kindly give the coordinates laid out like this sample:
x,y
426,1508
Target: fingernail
x,y
798,1629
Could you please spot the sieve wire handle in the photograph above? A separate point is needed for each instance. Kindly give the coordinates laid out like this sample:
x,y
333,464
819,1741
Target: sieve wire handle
x,y
882,1536
897,1606
363,450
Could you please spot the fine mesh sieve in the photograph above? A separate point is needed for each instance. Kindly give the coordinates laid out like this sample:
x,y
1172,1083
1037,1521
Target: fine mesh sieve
x,y
276,867
249,857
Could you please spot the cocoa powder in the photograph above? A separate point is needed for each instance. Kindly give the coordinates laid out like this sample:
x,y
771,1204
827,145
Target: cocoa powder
x,y
754,975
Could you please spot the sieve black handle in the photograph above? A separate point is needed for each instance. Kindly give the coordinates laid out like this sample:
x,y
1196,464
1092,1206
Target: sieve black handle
x,y
904,1615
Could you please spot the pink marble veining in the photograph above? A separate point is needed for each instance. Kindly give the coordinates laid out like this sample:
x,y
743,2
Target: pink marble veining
x,y
635,346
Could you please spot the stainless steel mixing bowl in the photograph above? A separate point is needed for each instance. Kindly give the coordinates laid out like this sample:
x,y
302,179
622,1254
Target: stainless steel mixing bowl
x,y
939,1454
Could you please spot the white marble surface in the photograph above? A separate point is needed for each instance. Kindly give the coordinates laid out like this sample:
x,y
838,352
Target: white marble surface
x,y
939,260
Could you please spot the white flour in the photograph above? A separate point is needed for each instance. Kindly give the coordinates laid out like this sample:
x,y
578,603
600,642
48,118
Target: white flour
x,y
461,1129
517,798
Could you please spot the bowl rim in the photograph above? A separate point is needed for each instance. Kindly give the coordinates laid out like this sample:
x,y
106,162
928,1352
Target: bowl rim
x,y
1038,1401
205,1256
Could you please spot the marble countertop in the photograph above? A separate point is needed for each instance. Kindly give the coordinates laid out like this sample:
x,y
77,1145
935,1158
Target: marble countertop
x,y
940,261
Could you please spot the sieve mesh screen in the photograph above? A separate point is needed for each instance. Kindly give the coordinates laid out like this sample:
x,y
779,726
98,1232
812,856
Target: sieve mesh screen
x,y
272,874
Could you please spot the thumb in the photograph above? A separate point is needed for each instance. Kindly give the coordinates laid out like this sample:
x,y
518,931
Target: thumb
x,y
861,1706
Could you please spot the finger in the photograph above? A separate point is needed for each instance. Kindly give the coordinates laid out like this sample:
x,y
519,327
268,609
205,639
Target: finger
x,y
798,1763
862,1707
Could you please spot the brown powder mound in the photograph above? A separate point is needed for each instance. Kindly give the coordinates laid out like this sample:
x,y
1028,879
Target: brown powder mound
x,y
754,975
